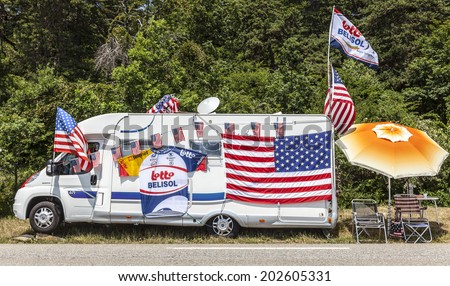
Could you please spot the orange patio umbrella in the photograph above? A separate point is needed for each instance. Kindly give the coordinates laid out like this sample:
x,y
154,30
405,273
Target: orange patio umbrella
x,y
393,150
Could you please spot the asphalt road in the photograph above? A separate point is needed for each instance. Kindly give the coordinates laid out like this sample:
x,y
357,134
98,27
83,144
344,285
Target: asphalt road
x,y
225,254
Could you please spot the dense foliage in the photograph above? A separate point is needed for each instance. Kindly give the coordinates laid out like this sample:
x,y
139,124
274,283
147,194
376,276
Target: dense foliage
x,y
98,56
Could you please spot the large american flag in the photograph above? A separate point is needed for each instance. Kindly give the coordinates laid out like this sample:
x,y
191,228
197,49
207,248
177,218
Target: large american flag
x,y
70,139
339,105
285,170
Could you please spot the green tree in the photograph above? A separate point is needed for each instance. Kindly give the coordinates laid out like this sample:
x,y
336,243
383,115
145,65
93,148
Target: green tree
x,y
21,142
393,27
125,18
427,76
63,34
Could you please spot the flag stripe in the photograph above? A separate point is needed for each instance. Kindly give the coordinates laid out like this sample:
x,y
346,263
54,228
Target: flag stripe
x,y
250,169
252,175
278,200
277,195
238,157
254,164
279,179
281,189
247,139
249,154
247,148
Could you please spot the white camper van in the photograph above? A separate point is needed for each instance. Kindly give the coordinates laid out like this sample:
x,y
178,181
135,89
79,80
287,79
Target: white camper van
x,y
235,189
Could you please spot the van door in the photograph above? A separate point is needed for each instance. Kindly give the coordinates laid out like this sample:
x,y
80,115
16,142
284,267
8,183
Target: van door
x,y
125,197
78,189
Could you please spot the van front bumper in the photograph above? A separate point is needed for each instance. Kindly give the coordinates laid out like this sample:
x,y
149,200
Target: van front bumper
x,y
19,211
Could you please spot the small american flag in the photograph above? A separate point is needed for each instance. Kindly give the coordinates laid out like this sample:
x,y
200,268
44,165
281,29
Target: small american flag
x,y
135,147
116,153
70,139
178,134
256,128
291,169
339,105
156,140
167,104
279,128
75,164
199,128
229,128
95,159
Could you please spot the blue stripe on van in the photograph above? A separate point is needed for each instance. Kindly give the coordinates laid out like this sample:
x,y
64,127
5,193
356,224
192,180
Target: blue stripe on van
x,y
82,194
195,197
125,196
208,197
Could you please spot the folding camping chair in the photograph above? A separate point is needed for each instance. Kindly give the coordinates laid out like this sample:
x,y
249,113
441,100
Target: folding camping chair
x,y
413,218
365,216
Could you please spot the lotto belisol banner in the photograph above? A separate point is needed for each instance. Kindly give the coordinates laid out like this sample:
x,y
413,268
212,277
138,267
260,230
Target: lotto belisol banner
x,y
350,41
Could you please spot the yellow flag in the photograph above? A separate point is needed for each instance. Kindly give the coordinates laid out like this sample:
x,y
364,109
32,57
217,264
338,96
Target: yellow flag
x,y
132,163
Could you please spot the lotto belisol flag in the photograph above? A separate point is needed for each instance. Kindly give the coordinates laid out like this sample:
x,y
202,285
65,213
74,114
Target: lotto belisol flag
x,y
267,170
339,105
349,40
70,139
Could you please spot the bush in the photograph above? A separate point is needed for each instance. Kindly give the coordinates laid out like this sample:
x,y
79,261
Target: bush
x,y
6,196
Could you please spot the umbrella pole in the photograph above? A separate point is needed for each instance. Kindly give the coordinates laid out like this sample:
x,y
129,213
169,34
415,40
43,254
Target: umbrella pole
x,y
389,204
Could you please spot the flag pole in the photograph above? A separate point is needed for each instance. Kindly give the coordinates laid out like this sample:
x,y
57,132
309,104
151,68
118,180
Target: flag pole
x,y
330,70
329,42
54,134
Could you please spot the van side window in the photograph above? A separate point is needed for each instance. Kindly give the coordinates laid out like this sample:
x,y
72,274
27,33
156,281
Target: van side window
x,y
70,163
210,147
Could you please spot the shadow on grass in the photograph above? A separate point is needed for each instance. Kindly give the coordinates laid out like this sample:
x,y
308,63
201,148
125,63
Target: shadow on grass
x,y
98,233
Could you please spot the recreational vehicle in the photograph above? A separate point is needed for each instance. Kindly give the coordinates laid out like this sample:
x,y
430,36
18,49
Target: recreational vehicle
x,y
222,171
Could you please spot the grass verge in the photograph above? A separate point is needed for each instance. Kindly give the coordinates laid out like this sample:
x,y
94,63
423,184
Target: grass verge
x,y
95,233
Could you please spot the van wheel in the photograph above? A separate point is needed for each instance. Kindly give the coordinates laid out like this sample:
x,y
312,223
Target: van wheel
x,y
45,217
223,225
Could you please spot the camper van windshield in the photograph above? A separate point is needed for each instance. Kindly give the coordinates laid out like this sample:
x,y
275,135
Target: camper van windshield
x,y
209,147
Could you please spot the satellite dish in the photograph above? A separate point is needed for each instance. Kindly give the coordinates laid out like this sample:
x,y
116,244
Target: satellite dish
x,y
208,105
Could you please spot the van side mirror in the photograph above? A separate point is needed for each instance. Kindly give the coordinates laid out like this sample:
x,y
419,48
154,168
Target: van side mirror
x,y
53,168
49,170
